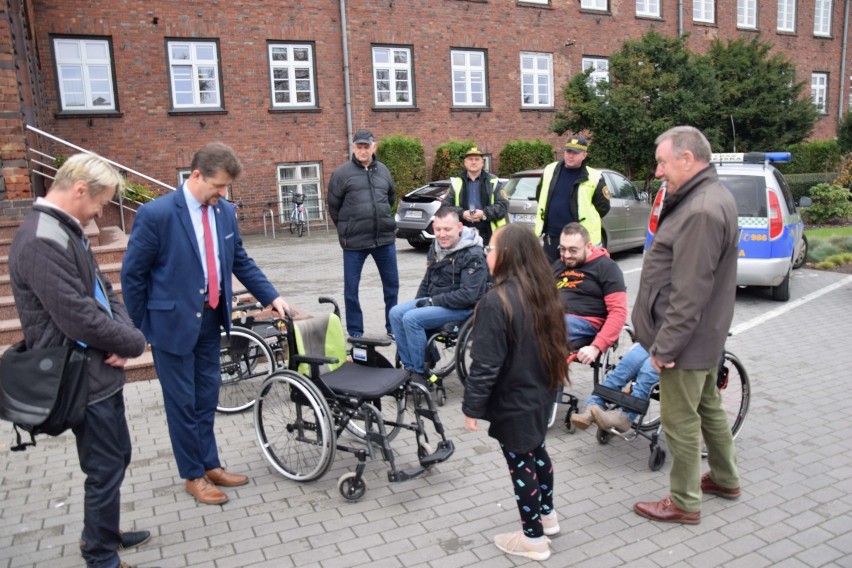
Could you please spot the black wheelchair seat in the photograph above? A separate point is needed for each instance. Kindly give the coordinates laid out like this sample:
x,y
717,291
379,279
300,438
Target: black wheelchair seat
x,y
352,379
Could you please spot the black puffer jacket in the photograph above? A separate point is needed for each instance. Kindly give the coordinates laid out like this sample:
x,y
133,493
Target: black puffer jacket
x,y
508,383
456,278
56,299
359,202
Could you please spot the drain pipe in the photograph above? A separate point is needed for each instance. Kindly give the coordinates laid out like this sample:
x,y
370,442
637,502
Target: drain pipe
x,y
680,17
842,103
347,92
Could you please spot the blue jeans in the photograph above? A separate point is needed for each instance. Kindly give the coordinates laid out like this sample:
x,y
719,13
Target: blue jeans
x,y
636,363
353,263
103,447
409,324
579,328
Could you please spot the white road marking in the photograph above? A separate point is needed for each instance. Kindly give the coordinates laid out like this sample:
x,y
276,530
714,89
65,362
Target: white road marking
x,y
746,325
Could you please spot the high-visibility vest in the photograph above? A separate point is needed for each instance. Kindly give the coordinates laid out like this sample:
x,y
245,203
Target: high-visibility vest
x,y
586,211
457,187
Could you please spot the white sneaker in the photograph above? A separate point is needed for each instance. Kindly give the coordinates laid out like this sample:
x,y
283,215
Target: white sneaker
x,y
550,523
519,545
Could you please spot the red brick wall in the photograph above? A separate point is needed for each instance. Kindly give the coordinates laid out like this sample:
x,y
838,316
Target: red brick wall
x,y
146,137
16,181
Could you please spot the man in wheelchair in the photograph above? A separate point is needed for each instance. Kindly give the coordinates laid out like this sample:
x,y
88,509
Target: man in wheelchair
x,y
455,279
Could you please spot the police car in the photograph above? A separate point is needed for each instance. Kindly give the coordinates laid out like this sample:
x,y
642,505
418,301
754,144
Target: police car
x,y
772,235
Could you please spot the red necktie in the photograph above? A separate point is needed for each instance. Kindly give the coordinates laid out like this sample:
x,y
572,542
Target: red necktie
x,y
212,274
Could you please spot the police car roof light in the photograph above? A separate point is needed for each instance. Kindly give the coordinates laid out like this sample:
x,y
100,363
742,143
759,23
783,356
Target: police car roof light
x,y
751,157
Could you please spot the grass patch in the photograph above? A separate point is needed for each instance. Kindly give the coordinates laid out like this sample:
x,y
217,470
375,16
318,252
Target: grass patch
x,y
825,232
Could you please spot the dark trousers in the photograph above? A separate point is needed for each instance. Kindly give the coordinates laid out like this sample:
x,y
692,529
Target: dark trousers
x,y
190,386
532,480
103,447
353,264
550,244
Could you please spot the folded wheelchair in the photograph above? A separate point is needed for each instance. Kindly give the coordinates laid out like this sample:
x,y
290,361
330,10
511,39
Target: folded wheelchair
x,y
302,412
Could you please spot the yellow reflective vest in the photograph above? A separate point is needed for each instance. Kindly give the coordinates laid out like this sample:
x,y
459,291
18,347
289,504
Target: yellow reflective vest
x,y
586,212
457,187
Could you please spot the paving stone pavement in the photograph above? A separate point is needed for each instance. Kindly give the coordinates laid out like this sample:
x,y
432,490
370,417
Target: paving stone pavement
x,y
795,458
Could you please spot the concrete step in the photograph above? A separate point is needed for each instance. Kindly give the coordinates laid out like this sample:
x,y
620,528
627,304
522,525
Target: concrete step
x,y
109,245
141,368
10,331
112,271
9,311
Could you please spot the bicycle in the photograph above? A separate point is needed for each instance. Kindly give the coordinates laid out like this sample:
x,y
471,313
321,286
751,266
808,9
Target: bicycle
x,y
298,216
253,350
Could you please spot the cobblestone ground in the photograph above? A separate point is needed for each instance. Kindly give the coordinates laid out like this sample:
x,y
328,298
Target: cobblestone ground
x,y
795,457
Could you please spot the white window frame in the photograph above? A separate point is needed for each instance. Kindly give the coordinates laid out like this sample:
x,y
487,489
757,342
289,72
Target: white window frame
x,y
394,82
600,66
536,79
196,64
819,92
822,18
292,72
787,16
747,14
597,5
83,67
183,175
704,11
468,75
648,8
301,182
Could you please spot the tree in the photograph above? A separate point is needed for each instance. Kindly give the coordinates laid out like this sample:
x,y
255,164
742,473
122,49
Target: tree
x,y
760,96
655,83
405,159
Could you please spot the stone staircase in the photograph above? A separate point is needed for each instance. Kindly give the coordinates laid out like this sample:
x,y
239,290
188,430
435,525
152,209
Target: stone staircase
x,y
109,245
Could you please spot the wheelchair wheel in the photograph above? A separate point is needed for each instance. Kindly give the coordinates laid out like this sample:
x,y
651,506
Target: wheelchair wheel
x,y
350,488
245,359
441,353
603,437
657,458
294,426
735,388
392,407
613,355
651,420
463,347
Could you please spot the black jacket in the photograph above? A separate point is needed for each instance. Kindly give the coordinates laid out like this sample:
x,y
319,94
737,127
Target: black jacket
x,y
457,280
55,299
508,383
359,202
493,212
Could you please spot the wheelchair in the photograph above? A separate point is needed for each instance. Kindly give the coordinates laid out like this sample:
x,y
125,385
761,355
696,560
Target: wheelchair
x,y
441,347
301,412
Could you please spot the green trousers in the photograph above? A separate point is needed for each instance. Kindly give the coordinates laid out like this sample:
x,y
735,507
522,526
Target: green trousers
x,y
691,407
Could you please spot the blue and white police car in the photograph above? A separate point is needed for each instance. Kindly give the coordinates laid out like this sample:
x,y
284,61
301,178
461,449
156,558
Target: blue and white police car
x,y
772,236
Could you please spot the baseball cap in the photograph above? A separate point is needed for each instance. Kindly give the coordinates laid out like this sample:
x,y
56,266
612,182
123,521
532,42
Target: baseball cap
x,y
473,152
363,137
577,144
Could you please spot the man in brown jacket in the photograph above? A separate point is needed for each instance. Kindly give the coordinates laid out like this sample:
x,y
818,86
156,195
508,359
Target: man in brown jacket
x,y
683,310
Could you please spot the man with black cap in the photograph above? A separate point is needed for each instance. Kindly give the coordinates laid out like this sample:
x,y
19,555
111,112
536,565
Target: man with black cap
x,y
476,195
361,193
570,191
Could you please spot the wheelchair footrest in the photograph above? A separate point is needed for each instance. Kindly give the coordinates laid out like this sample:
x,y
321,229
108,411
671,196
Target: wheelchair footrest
x,y
443,453
622,399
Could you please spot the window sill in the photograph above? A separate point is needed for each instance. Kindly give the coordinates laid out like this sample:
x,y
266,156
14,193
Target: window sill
x,y
748,30
278,110
88,114
471,109
211,110
395,109
595,12
538,109
649,17
522,4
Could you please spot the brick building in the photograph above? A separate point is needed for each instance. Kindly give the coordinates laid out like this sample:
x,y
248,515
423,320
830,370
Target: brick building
x,y
145,83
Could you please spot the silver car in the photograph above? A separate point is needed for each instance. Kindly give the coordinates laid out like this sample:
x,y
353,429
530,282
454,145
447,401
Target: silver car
x,y
623,227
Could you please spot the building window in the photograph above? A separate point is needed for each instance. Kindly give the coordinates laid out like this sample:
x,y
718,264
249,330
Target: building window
x,y
786,15
822,18
183,175
84,74
291,70
598,5
599,67
819,91
648,8
703,11
194,70
747,14
300,178
536,80
392,76
469,78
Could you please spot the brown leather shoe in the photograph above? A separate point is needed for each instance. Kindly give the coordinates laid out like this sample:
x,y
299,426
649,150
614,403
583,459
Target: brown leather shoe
x,y
205,492
224,478
709,487
667,512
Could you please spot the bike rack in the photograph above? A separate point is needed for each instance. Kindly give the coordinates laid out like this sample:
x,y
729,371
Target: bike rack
x,y
271,222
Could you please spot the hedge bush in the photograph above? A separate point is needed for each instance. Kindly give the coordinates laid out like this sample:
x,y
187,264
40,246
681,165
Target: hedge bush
x,y
801,184
449,158
831,204
844,173
844,134
520,155
812,157
405,158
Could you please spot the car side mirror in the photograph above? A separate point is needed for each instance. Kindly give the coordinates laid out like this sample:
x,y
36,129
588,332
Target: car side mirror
x,y
805,201
644,196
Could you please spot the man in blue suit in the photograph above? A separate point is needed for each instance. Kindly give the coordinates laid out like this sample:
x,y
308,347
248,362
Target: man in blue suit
x,y
176,283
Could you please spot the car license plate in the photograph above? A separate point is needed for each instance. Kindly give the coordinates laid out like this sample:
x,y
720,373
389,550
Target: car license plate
x,y
523,218
413,214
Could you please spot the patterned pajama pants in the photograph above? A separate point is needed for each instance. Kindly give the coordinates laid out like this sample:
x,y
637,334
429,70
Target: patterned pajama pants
x,y
532,478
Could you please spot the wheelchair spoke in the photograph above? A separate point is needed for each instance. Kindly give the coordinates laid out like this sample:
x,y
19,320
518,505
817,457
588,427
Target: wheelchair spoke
x,y
245,360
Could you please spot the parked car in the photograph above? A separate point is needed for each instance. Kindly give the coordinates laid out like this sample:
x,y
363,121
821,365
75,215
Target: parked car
x,y
417,209
623,228
772,234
